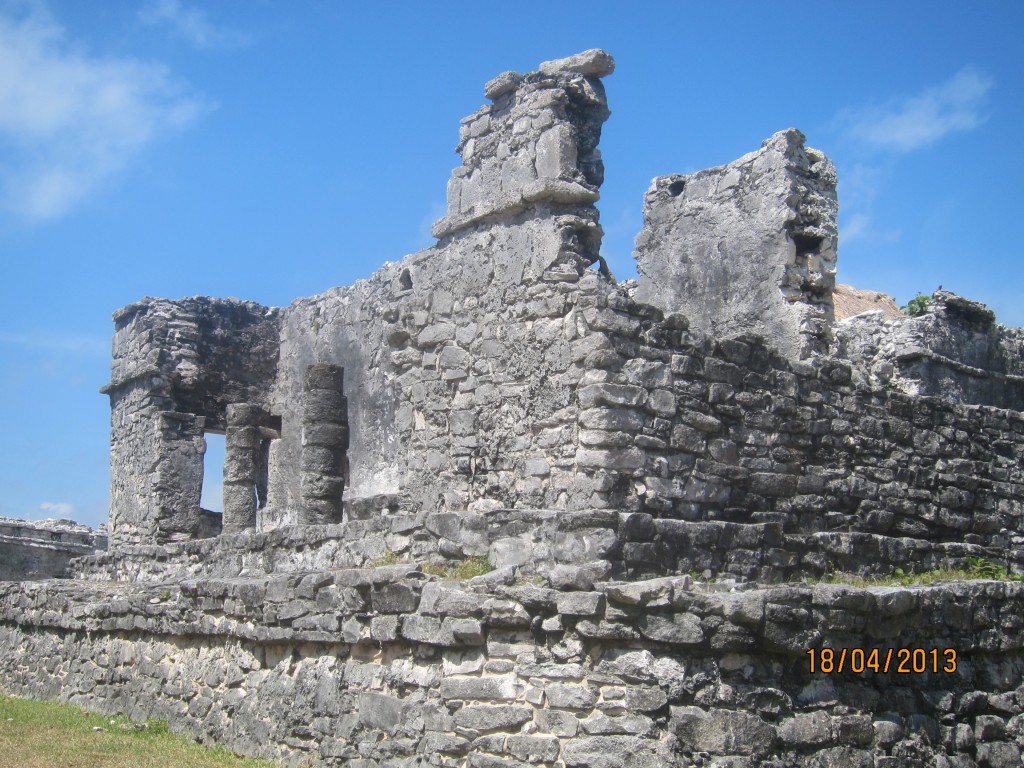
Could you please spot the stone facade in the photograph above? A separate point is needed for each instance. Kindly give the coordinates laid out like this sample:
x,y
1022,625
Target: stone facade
x,y
748,248
44,549
955,351
500,396
389,667
177,367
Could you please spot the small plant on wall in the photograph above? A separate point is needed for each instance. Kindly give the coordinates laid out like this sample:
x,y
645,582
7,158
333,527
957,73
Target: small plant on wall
x,y
919,305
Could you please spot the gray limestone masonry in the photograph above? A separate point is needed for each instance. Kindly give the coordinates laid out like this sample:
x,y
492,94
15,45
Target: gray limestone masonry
x,y
390,667
749,247
500,396
44,549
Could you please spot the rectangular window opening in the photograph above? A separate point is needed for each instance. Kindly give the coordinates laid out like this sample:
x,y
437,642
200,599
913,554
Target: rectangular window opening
x,y
212,498
263,474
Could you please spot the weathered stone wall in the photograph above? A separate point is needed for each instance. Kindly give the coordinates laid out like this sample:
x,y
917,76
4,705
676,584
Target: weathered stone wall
x,y
580,398
564,551
389,668
176,367
43,549
458,360
449,382
682,426
955,351
747,248
501,370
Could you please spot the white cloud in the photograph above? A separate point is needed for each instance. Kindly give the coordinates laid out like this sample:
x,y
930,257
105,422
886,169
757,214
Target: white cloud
x,y
858,188
60,508
70,121
955,106
190,24
860,226
855,227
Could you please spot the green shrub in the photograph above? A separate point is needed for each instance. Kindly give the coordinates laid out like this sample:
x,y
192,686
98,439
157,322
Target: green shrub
x,y
919,305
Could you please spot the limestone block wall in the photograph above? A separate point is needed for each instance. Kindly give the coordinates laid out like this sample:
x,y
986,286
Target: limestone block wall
x,y
43,549
549,546
472,388
956,351
177,365
459,361
450,381
213,351
389,668
747,248
682,426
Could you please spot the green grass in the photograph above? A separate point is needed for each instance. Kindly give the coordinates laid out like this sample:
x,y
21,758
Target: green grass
x,y
43,734
466,569
977,568
389,559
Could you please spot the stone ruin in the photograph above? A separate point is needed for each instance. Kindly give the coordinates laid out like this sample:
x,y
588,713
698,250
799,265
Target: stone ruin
x,y
657,472
44,549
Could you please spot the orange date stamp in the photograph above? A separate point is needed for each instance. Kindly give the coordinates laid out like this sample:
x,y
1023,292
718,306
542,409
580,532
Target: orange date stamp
x,y
902,661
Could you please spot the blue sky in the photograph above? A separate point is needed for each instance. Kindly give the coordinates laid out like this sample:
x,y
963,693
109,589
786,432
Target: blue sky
x,y
273,150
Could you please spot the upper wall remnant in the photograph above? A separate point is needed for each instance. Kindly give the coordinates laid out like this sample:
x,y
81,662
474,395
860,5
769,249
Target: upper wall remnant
x,y
534,146
956,351
748,247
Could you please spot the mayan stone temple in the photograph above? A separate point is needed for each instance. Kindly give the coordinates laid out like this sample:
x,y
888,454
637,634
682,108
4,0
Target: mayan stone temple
x,y
656,482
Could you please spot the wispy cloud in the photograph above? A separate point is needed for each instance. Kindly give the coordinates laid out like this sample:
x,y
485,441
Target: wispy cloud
x,y
858,189
957,105
861,227
58,342
191,24
69,121
60,508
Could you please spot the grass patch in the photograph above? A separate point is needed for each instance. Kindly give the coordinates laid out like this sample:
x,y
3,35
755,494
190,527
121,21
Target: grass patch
x,y
977,568
461,571
43,734
391,558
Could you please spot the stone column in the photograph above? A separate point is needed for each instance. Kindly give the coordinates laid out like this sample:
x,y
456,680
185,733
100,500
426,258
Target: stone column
x,y
177,476
324,443
241,466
